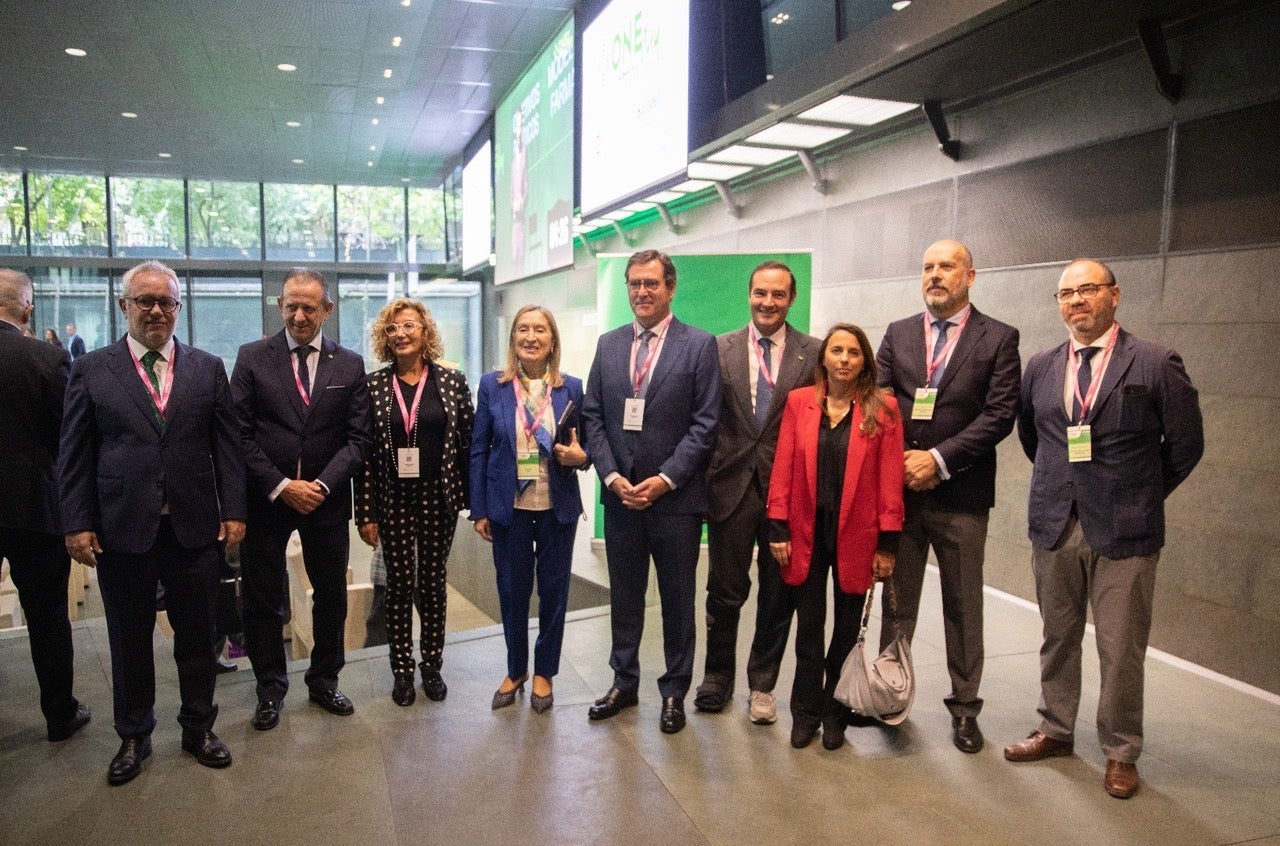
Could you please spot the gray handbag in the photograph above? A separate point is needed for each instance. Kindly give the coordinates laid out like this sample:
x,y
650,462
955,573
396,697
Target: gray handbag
x,y
884,688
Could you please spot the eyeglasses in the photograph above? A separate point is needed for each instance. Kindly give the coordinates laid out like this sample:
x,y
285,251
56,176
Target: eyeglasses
x,y
146,302
1088,291
408,327
651,285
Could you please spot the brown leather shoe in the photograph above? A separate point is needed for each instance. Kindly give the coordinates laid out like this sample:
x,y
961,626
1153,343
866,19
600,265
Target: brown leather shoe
x,y
1037,747
1121,780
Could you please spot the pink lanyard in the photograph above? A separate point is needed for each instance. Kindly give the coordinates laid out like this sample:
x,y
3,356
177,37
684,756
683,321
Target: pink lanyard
x,y
766,372
410,415
653,354
1086,401
161,399
522,402
297,380
931,366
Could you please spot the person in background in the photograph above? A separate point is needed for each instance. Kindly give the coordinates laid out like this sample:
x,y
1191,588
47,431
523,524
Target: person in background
x,y
75,344
524,495
835,500
51,336
414,483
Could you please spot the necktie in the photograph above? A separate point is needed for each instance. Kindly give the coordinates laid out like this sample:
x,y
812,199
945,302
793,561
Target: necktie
x,y
642,355
149,359
1083,377
938,346
304,374
764,391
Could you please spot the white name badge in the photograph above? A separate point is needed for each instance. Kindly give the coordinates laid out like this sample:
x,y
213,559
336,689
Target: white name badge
x,y
922,408
1079,443
633,414
407,463
527,465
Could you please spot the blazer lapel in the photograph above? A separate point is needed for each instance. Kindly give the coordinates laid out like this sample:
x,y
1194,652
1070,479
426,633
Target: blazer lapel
x,y
281,367
1059,383
322,377
914,362
973,332
790,372
738,376
670,346
1121,358
507,411
853,466
125,371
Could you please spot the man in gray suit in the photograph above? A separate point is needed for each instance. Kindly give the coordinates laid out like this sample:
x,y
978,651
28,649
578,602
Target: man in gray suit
x,y
759,365
1113,425
954,372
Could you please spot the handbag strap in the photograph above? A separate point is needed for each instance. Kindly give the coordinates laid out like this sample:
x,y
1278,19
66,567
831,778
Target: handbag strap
x,y
870,600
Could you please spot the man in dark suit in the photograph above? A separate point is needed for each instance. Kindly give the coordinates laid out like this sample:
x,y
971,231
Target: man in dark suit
x,y
75,344
954,371
33,377
304,412
759,365
1112,424
650,412
152,481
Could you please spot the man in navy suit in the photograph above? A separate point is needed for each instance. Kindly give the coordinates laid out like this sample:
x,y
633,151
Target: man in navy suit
x,y
304,417
152,481
1112,424
955,374
75,344
33,377
650,415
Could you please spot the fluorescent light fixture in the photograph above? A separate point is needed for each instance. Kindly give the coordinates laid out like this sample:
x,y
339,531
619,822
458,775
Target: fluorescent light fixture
x,y
856,111
75,51
286,67
19,148
665,196
636,208
615,215
165,155
477,84
297,161
691,185
597,223
129,114
716,172
797,135
756,156
293,124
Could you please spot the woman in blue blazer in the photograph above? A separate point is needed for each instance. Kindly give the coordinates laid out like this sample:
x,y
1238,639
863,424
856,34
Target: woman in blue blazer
x,y
524,494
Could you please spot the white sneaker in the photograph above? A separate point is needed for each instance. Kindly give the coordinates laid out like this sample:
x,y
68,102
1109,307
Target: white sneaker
x,y
763,710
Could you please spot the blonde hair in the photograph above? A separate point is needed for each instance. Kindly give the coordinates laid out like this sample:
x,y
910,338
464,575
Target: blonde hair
x,y
870,399
433,347
553,361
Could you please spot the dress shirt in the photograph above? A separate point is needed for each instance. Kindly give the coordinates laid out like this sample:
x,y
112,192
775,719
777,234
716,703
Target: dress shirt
x,y
779,340
1097,367
954,322
313,361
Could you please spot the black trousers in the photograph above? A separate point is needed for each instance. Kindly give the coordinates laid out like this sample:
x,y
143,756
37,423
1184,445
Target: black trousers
x,y
40,568
265,585
812,693
128,583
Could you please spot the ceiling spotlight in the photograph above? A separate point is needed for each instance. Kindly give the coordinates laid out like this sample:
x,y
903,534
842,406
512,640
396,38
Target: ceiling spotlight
x,y
405,2
380,100
386,74
165,155
780,18
372,147
75,51
129,114
297,161
286,67
395,41
370,164
293,124
374,121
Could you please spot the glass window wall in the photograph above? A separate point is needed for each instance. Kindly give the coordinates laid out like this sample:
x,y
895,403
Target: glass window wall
x,y
227,312
225,220
13,238
360,298
370,223
299,222
68,214
426,222
78,297
148,218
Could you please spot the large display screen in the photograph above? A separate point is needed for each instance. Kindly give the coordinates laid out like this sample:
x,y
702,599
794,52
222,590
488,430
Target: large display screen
x,y
533,167
635,99
477,208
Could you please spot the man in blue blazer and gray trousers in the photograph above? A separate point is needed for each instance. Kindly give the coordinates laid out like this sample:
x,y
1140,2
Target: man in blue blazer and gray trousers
x,y
1113,425
650,415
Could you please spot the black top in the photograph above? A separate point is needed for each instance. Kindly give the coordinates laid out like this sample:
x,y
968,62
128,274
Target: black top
x,y
428,434
833,454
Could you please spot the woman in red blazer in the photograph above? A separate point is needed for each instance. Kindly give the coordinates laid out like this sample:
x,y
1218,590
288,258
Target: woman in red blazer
x,y
835,499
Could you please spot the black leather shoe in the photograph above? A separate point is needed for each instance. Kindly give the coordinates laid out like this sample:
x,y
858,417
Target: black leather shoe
x,y
208,749
62,731
711,697
266,716
672,719
802,733
220,666
334,701
433,685
402,692
128,761
966,734
612,703
832,733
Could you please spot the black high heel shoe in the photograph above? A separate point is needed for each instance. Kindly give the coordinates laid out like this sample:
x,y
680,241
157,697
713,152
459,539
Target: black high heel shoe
x,y
540,703
502,699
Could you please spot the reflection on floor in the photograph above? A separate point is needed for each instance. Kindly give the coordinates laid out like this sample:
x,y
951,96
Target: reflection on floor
x,y
457,773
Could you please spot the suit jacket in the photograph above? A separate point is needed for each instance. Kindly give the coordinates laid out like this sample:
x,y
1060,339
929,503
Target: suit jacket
x,y
75,345
33,378
681,410
493,453
329,437
870,502
976,406
744,449
119,466
375,483
1147,436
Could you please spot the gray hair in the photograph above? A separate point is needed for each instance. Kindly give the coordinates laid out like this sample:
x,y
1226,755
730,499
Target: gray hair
x,y
151,266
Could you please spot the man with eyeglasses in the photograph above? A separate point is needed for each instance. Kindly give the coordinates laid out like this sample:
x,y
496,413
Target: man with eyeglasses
x,y
650,413
304,417
152,480
1112,424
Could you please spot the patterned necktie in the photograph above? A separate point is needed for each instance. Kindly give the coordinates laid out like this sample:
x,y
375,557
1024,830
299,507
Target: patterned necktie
x,y
939,345
304,374
642,355
149,359
764,391
1083,377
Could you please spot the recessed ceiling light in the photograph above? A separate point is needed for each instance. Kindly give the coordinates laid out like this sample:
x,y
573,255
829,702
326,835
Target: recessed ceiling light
x,y
405,2
373,147
297,161
293,124
75,51
901,4
129,114
370,164
165,155
386,74
395,41
780,18
374,121
19,148
380,100
286,67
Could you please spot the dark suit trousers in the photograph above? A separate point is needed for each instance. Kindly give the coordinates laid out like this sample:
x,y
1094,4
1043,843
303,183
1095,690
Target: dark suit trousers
x,y
673,540
41,567
535,544
730,546
128,585
265,582
812,692
959,540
